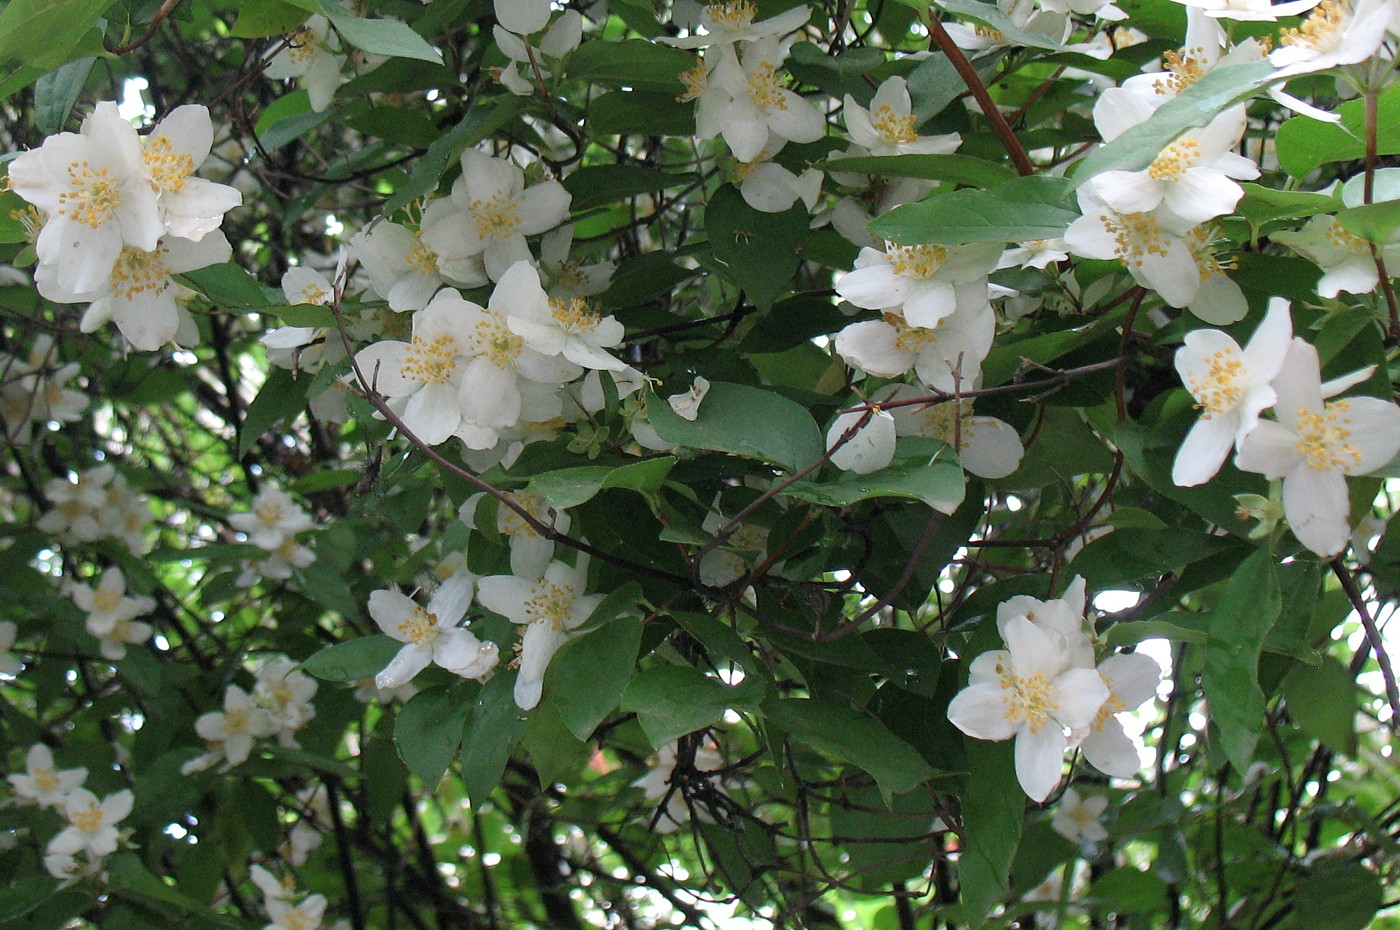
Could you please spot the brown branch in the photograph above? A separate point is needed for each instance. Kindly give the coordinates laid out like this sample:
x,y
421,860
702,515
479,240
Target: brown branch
x,y
165,10
1373,637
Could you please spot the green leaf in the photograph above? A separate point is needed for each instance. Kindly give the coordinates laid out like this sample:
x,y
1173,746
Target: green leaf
x,y
496,725
1265,204
1134,553
26,895
1322,700
387,37
1238,625
993,809
570,487
639,112
1128,890
1035,207
428,731
1304,143
1130,634
673,700
938,484
597,185
130,878
1373,221
959,169
851,737
1339,896
744,421
633,63
326,480
552,748
41,33
1195,106
759,252
353,660
589,673
56,92
258,19
283,395
228,286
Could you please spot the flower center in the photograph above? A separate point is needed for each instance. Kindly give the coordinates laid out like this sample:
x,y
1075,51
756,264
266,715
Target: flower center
x,y
106,600
1322,438
1219,391
735,14
1136,235
235,721
696,80
268,512
988,33
1175,160
574,315
1344,238
1182,70
1027,699
137,272
1323,29
550,604
168,167
495,341
946,422
1198,241
313,294
917,261
296,920
911,339
496,218
45,779
892,127
430,362
88,819
93,196
512,524
301,45
765,88
419,626
421,258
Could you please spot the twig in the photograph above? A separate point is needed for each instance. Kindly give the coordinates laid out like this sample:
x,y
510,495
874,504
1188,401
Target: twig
x,y
1373,637
165,10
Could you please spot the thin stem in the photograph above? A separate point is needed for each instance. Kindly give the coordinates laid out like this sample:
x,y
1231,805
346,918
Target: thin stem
x,y
974,83
1373,637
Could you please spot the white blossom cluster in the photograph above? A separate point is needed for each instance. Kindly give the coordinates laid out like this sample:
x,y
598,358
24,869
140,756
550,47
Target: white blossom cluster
x,y
90,832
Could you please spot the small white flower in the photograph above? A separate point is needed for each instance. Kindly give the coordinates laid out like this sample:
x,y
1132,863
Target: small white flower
x,y
1231,387
304,916
231,732
1132,679
869,448
687,404
312,54
729,22
1336,32
1030,692
888,126
41,782
1344,257
91,823
921,282
430,634
549,607
986,447
274,519
1151,245
1080,819
1315,445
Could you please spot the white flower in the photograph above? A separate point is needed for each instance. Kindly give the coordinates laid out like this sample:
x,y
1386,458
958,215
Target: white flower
x,y
1335,33
231,732
1231,387
549,607
733,21
1028,691
522,16
41,782
9,665
401,267
494,212
687,404
285,693
557,325
1132,679
274,519
97,195
313,55
888,127
944,356
430,634
91,823
1344,257
986,447
1060,618
1034,253
530,553
1151,245
421,378
567,276
746,102
1079,819
919,281
304,916
190,207
1194,177
871,445
770,188
1251,10
1315,445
